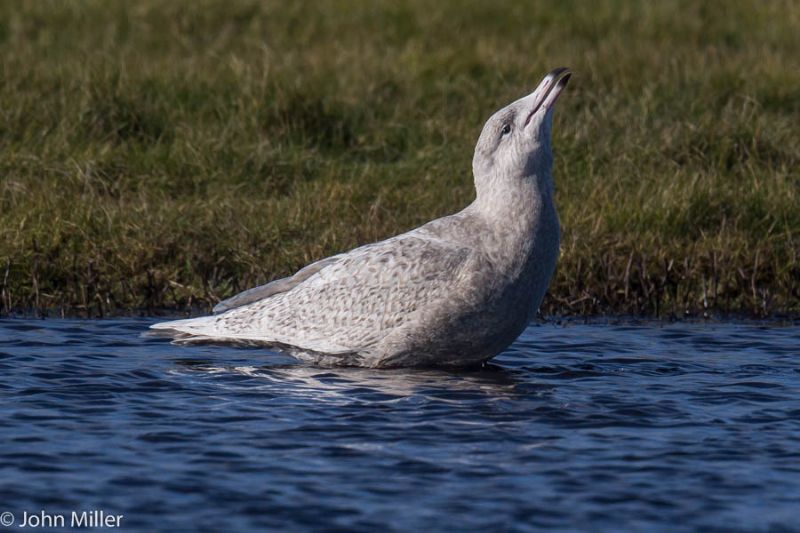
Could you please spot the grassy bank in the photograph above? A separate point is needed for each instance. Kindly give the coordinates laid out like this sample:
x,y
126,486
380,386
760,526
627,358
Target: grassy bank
x,y
168,154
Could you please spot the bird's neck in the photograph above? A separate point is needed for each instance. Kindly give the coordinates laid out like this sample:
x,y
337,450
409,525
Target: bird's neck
x,y
517,202
522,218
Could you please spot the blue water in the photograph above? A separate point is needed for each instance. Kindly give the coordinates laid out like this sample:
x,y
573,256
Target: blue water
x,y
602,427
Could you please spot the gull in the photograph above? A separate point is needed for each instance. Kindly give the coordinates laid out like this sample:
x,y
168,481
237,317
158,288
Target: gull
x,y
453,292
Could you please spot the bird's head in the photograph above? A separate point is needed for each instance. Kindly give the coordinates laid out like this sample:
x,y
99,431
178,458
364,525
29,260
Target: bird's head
x,y
515,142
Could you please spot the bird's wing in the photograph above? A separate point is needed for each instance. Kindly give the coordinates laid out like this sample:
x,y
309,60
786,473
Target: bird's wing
x,y
274,287
349,304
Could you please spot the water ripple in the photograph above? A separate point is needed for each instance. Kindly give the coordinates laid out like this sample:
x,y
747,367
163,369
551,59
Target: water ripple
x,y
577,426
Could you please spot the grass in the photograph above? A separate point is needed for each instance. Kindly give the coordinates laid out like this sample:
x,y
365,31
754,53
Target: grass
x,y
167,154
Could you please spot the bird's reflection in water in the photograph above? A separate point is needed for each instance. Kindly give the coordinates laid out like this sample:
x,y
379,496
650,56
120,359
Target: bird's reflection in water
x,y
444,384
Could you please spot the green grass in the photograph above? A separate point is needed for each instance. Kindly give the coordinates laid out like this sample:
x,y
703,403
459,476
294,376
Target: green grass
x,y
168,154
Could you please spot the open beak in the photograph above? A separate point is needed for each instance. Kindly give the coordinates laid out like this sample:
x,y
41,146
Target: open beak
x,y
548,90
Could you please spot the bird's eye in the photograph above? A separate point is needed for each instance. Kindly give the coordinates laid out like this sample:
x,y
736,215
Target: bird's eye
x,y
506,129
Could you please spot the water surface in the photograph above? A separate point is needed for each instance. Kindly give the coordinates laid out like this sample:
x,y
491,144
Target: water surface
x,y
635,426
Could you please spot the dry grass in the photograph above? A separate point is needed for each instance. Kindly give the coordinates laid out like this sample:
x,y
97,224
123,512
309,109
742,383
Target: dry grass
x,y
166,154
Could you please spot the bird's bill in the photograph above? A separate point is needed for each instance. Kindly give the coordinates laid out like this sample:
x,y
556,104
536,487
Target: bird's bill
x,y
548,90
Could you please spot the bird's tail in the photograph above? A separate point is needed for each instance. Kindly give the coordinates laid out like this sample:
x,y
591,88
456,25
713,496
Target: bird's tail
x,y
190,330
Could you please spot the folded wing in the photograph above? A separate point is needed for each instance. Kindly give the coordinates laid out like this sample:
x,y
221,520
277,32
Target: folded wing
x,y
342,304
274,287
